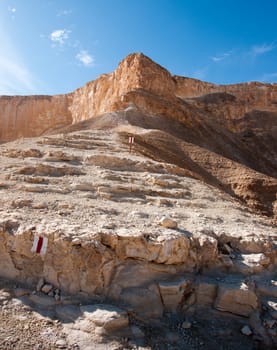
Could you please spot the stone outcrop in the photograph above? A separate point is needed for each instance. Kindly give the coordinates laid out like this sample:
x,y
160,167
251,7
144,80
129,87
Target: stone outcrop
x,y
236,299
108,93
149,275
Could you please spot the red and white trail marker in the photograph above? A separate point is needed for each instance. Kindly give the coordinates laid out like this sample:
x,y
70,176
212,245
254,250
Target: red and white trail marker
x,y
39,245
131,142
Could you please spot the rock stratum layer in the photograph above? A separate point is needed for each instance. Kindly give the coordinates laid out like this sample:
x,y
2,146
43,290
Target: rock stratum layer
x,y
28,116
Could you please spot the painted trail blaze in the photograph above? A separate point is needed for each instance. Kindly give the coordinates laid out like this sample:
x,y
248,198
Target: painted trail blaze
x,y
39,245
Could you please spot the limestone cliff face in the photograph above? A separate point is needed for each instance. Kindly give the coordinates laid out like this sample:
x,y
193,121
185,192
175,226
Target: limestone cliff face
x,y
28,116
230,102
254,93
108,93
140,81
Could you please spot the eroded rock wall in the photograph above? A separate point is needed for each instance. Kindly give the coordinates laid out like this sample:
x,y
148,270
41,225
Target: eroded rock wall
x,y
254,93
107,93
152,276
136,80
29,116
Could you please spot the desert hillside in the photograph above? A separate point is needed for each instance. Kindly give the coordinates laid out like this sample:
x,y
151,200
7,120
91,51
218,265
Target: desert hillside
x,y
223,135
155,247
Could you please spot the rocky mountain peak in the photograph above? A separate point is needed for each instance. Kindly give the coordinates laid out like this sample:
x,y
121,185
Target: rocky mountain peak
x,y
141,63
138,71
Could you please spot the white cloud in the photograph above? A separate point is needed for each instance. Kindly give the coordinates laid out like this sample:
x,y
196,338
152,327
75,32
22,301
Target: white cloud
x,y
220,57
59,36
64,13
261,49
12,9
85,58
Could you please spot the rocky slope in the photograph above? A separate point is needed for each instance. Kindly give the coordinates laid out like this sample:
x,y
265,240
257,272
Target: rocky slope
x,y
182,229
135,231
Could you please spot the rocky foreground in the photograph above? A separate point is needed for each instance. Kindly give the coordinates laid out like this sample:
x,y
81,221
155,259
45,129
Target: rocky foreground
x,y
32,320
139,254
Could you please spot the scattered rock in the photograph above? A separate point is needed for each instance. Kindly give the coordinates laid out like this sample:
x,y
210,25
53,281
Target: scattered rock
x,y
236,298
186,325
60,156
137,258
61,344
4,185
40,284
137,332
246,330
46,288
168,223
208,247
272,307
21,203
57,294
227,248
109,317
251,263
270,323
40,205
256,324
4,295
172,293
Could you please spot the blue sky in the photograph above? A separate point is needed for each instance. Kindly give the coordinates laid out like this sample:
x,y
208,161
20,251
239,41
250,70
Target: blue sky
x,y
51,47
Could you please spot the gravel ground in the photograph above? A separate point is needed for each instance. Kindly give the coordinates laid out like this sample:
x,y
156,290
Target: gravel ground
x,y
24,327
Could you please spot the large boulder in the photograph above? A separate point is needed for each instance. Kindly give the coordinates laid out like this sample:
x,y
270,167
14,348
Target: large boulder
x,y
143,301
110,317
236,298
172,293
205,293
